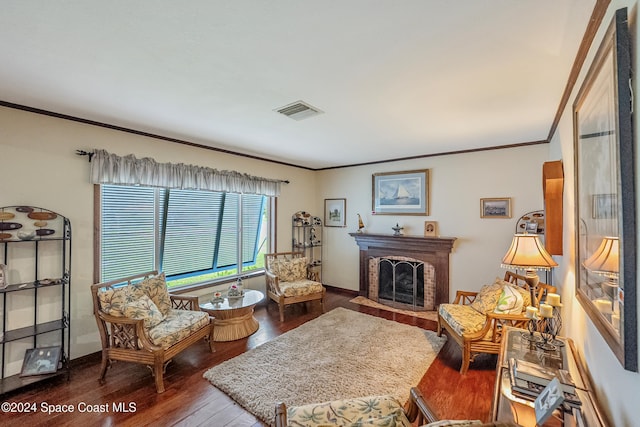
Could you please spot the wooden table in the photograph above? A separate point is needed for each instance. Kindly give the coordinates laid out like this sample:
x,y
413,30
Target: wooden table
x,y
507,407
234,316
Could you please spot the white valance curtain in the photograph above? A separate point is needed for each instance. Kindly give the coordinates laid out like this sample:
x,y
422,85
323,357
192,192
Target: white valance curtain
x,y
107,168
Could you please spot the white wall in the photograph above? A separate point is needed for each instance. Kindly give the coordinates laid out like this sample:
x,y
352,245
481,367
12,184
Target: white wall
x,y
617,389
457,183
38,167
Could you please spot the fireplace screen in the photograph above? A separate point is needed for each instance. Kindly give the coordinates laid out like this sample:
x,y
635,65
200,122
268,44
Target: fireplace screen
x,y
401,283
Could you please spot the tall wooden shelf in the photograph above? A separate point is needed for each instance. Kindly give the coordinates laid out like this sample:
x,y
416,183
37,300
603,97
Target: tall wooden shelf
x,y
36,244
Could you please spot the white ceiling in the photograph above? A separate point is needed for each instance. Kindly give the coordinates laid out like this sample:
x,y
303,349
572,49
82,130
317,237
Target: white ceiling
x,y
394,78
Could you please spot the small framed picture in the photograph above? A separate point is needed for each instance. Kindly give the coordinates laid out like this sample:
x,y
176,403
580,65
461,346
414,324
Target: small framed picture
x,y
495,207
430,228
335,211
531,228
604,206
40,361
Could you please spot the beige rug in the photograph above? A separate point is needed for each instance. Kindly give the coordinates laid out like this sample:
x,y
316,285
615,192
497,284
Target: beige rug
x,y
341,354
429,315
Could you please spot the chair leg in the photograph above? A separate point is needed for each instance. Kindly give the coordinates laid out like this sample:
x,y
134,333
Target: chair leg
x,y
466,359
281,307
103,367
158,372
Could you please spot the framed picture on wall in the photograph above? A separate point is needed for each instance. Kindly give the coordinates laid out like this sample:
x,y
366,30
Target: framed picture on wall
x,y
335,212
499,207
401,193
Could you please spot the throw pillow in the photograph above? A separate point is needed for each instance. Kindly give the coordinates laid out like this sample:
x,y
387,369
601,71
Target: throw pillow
x,y
290,271
487,298
155,287
113,300
510,301
144,308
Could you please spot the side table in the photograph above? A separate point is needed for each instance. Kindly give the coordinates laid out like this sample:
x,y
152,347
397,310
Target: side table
x,y
233,317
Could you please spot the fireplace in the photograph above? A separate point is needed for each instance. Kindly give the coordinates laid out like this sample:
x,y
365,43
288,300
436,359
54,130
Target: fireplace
x,y
402,282
410,272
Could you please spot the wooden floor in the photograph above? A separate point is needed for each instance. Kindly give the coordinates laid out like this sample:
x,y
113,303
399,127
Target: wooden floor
x,y
190,400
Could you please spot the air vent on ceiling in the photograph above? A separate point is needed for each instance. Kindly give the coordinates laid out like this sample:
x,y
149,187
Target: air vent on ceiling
x,y
299,110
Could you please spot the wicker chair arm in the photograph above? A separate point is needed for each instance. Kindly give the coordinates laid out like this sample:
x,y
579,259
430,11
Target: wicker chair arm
x,y
136,325
185,302
418,411
273,282
465,297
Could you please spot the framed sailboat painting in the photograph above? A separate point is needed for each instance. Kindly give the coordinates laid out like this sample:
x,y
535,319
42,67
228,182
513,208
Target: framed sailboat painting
x,y
401,193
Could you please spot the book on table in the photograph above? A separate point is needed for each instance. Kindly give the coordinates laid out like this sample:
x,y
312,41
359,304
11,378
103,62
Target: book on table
x,y
542,375
530,390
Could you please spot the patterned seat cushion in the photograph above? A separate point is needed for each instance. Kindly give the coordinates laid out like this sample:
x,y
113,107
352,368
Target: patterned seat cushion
x,y
300,287
462,318
365,411
176,326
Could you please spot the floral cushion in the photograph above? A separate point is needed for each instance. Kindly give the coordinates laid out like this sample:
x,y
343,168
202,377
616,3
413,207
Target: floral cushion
x,y
462,318
178,325
366,411
290,270
487,298
144,308
113,300
154,287
300,287
510,301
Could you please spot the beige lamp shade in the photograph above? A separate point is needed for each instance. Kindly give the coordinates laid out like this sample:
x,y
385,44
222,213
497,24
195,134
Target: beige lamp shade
x,y
606,259
528,252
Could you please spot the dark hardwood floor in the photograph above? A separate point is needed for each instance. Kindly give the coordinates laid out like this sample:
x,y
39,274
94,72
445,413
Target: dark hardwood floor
x,y
190,400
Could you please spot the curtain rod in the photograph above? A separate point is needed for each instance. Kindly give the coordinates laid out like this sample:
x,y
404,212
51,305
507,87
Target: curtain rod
x,y
91,153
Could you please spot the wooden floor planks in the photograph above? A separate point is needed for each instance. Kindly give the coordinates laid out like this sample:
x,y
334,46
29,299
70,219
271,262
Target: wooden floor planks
x,y
190,400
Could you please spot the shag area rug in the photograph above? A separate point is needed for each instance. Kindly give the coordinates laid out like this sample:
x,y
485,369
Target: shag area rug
x,y
429,315
341,354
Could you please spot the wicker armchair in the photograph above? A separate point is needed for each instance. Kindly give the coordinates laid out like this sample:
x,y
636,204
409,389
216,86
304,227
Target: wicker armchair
x,y
290,281
140,322
477,332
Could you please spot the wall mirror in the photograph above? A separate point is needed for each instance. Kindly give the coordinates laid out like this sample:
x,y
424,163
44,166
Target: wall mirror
x,y
605,195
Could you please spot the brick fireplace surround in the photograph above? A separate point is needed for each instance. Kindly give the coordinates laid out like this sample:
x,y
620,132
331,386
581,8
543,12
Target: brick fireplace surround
x,y
432,250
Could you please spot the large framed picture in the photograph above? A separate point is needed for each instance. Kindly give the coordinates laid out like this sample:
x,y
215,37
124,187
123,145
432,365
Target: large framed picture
x,y
40,361
335,211
498,207
401,193
605,195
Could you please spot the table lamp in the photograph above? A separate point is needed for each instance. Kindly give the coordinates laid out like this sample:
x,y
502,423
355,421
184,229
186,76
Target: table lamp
x,y
527,252
605,261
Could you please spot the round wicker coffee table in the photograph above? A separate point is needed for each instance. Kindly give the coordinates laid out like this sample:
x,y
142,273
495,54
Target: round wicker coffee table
x,y
234,316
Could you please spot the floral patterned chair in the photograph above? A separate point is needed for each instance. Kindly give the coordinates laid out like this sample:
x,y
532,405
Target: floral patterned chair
x,y
475,320
290,281
382,411
139,321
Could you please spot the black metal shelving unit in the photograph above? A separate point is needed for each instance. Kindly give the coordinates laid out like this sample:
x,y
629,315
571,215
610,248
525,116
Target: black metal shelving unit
x,y
34,234
306,237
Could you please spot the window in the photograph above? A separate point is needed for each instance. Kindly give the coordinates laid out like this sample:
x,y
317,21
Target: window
x,y
193,236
